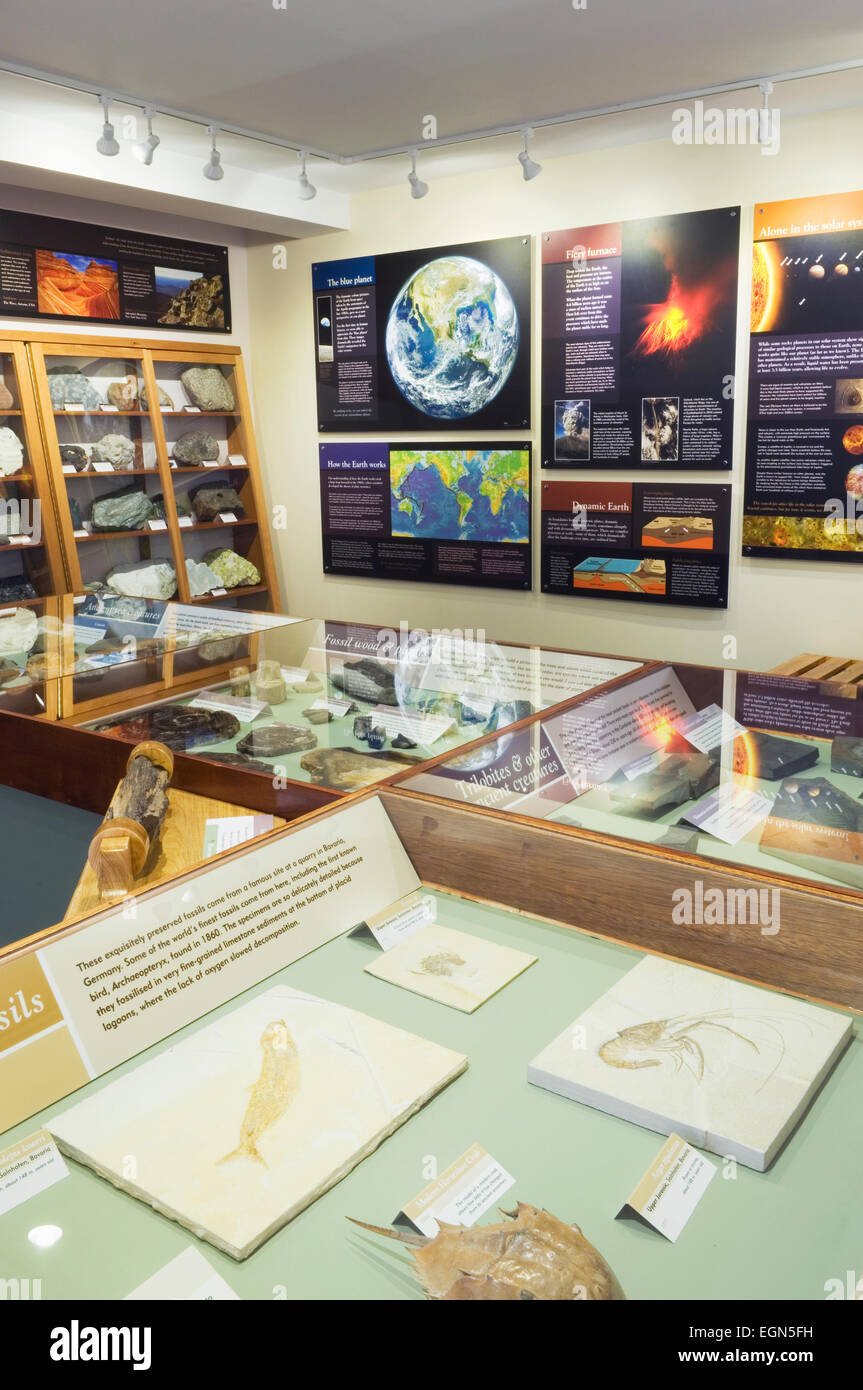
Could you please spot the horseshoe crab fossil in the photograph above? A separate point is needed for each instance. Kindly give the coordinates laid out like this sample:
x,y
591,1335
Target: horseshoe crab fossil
x,y
530,1255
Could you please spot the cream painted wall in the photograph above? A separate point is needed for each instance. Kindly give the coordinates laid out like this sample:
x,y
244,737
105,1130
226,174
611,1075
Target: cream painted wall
x,y
776,608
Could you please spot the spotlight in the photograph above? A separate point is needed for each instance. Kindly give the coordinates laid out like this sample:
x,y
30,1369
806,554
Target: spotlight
x,y
764,114
106,144
144,150
305,188
529,167
213,167
418,188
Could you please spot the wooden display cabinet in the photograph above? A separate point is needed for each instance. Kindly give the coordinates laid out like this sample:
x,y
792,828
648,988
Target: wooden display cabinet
x,y
72,432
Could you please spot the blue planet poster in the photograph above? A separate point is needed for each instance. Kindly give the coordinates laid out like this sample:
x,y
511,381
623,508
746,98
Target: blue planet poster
x,y
454,514
429,339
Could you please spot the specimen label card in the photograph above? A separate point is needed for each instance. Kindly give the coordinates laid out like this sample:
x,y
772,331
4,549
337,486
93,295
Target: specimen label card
x,y
461,1195
99,995
803,494
422,728
226,832
638,335
189,1277
709,728
672,1187
400,920
730,812
644,542
28,1167
245,709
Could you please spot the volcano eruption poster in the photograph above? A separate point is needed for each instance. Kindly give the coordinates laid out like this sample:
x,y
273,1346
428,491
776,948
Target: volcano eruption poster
x,y
638,332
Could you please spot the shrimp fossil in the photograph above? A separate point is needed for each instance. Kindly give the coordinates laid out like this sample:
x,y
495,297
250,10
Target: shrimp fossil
x,y
530,1255
631,1047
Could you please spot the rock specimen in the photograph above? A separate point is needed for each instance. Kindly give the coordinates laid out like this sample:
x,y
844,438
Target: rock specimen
x,y
121,511
124,394
179,727
318,716
201,305
18,632
368,680
16,588
307,687
43,666
159,505
846,755
207,502
147,579
72,388
271,740
241,683
207,388
231,568
773,757
115,449
219,648
679,778
344,770
9,672
7,400
202,580
377,738
402,741
270,683
74,454
11,452
164,399
362,727
240,760
194,447
75,515
815,801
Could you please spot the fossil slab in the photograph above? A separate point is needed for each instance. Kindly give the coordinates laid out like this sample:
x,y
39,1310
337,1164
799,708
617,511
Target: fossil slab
x,y
246,1122
368,680
729,1067
271,740
344,769
450,966
179,727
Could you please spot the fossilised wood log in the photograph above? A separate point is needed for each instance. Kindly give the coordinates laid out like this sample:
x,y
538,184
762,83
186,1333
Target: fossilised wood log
x,y
121,846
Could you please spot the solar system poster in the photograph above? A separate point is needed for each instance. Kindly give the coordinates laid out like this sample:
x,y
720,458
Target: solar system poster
x,y
646,542
448,514
638,338
54,269
431,339
803,496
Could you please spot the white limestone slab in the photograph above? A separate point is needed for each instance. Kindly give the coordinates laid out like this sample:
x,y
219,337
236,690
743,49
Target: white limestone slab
x,y
245,1123
730,1067
450,966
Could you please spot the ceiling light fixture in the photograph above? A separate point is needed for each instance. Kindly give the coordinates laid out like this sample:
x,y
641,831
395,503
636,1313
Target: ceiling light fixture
x,y
213,167
305,188
106,144
764,114
418,188
143,150
529,167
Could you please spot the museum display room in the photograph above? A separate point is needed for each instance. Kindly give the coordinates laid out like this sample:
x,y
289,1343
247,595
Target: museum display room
x,y
431,701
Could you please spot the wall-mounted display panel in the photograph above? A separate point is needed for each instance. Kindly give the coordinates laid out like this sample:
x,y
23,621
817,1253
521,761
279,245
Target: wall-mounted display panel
x,y
437,338
651,542
804,444
457,514
50,269
638,338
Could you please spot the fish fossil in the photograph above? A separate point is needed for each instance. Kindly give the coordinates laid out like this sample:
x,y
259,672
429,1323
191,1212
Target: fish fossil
x,y
632,1047
272,1093
531,1255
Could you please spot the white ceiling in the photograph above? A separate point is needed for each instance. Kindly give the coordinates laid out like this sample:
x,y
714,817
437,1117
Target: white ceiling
x,y
357,75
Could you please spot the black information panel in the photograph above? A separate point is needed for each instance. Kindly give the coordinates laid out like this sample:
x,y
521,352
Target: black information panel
x,y
454,514
650,542
429,339
804,436
638,330
50,269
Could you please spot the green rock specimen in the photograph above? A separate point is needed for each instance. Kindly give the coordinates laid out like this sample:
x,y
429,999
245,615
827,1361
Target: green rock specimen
x,y
231,569
207,388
